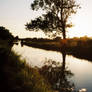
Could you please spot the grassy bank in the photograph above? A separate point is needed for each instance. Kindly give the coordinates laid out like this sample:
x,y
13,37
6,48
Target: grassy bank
x,y
79,47
48,44
16,75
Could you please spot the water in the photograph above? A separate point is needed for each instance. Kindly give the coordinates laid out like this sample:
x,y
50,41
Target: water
x,y
82,69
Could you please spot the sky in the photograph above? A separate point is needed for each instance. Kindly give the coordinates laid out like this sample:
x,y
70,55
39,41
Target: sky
x,y
14,14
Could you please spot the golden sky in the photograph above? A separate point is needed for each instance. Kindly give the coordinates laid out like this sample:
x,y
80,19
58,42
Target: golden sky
x,y
14,14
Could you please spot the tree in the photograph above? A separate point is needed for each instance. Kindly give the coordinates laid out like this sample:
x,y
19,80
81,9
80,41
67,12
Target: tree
x,y
56,18
5,34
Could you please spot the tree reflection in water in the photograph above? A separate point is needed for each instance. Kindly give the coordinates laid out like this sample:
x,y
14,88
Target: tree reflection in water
x,y
58,75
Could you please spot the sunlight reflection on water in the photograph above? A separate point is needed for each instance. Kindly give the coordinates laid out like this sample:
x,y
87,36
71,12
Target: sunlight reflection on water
x,y
83,90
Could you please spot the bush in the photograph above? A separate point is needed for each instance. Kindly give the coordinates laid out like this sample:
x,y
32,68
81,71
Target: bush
x,y
5,34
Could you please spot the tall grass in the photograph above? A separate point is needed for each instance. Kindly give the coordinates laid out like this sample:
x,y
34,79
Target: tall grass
x,y
17,76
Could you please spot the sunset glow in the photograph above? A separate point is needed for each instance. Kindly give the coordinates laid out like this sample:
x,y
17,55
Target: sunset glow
x,y
14,14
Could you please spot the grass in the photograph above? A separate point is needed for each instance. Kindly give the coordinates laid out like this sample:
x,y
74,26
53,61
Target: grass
x,y
81,48
78,47
17,76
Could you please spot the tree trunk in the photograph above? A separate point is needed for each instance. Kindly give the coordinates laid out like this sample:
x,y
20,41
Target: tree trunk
x,y
64,33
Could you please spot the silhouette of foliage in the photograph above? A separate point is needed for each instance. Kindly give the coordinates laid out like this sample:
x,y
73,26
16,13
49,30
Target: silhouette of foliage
x,y
56,18
5,34
16,75
58,75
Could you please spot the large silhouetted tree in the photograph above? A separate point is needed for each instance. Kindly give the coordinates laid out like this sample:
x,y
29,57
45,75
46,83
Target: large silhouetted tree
x,y
56,18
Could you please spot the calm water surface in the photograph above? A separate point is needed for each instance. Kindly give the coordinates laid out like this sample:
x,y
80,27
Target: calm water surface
x,y
82,69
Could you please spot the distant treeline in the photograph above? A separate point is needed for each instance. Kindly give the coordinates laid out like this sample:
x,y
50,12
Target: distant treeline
x,y
41,39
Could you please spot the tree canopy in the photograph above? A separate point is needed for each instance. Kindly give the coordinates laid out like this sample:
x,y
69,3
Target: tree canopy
x,y
56,18
5,34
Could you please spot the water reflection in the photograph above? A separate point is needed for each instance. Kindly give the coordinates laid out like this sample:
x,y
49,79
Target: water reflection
x,y
83,90
58,75
80,68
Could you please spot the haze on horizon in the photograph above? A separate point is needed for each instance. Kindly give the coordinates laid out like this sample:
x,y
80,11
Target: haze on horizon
x,y
14,14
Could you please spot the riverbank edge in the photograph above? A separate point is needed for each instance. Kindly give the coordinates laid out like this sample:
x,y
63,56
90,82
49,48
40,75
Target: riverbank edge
x,y
16,75
78,48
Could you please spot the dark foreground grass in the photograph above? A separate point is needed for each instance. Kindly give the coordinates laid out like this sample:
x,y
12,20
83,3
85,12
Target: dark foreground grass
x,y
17,76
